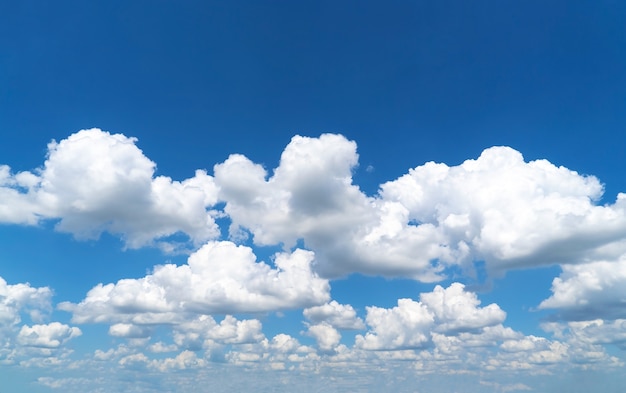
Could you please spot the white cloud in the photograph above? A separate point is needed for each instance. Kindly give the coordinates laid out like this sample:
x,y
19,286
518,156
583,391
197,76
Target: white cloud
x,y
95,181
284,343
17,202
18,298
456,310
451,311
22,343
406,326
129,330
310,191
497,208
183,361
220,277
510,212
204,331
160,347
590,333
337,315
51,335
311,196
327,337
589,291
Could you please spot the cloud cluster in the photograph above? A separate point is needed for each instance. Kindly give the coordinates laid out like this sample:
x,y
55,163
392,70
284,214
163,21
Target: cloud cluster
x,y
23,298
446,332
496,208
219,278
411,324
310,196
20,341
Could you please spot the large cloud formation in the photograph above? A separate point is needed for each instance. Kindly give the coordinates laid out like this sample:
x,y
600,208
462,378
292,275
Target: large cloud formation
x,y
496,208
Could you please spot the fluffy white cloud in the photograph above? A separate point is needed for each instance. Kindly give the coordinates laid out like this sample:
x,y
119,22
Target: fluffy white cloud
x,y
18,204
19,298
183,361
339,316
451,311
590,333
456,310
589,291
327,337
496,208
129,330
203,332
220,277
21,341
51,335
406,326
95,181
311,196
509,212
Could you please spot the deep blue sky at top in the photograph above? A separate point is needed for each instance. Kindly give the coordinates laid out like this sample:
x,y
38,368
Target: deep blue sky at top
x,y
409,81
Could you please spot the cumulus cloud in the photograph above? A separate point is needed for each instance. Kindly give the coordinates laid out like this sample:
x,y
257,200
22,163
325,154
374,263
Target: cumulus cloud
x,y
19,298
456,310
18,205
37,343
310,196
497,208
406,326
327,337
339,316
589,291
509,212
220,277
128,330
590,333
95,181
411,324
204,331
51,335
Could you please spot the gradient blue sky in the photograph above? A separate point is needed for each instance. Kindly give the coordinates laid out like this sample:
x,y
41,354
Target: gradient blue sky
x,y
515,268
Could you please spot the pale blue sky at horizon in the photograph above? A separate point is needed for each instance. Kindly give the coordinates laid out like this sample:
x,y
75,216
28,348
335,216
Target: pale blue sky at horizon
x,y
319,195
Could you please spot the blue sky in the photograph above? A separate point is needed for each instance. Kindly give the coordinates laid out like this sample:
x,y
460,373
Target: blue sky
x,y
347,196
